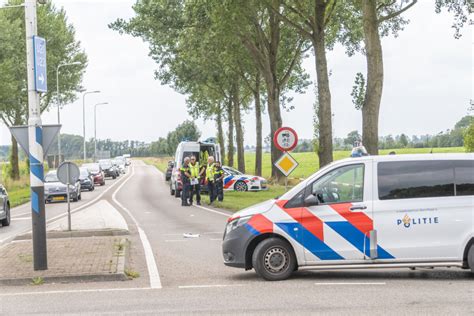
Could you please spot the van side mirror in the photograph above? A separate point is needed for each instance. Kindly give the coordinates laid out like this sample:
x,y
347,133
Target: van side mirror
x,y
311,200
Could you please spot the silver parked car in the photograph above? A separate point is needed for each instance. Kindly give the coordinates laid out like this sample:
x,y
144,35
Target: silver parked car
x,y
4,207
55,191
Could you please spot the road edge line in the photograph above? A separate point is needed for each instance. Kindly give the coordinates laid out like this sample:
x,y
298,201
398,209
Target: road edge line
x,y
154,275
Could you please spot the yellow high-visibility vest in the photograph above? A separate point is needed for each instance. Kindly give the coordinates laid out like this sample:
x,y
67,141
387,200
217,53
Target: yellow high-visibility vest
x,y
194,170
210,172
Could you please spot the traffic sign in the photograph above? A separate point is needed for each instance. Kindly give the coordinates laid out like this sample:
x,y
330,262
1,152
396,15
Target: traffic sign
x,y
49,133
68,173
39,48
285,139
286,164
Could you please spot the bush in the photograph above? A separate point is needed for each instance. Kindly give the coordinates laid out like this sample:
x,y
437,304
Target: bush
x,y
469,138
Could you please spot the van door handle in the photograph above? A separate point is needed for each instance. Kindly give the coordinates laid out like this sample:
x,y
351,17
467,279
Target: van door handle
x,y
358,207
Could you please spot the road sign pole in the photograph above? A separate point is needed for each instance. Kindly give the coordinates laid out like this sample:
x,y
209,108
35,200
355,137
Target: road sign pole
x,y
35,137
68,202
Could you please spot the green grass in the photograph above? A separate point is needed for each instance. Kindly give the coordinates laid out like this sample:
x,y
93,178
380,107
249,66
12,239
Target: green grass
x,y
161,163
236,201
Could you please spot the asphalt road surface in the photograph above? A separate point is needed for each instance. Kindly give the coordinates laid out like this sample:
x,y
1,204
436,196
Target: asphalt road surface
x,y
183,276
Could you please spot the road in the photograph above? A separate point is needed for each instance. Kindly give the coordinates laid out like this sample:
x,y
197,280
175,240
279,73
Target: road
x,y
182,276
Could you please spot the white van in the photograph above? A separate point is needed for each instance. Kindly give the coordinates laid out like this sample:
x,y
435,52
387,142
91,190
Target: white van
x,y
368,212
187,149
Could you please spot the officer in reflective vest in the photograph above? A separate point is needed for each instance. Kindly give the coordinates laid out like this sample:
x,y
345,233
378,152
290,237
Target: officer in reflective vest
x,y
219,181
185,179
210,179
195,186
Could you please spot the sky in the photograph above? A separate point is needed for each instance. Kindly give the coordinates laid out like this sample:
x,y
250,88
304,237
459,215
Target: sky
x,y
427,88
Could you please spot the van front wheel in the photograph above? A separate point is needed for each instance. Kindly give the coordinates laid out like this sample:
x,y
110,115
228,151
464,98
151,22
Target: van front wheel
x,y
274,259
470,258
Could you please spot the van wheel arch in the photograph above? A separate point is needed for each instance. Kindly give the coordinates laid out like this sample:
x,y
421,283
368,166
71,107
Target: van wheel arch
x,y
465,263
253,244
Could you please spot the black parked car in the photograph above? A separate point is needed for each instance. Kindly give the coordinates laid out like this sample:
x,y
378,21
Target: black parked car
x,y
169,170
4,207
86,179
109,169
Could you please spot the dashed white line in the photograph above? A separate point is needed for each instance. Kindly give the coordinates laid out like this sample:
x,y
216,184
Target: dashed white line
x,y
207,286
155,282
350,283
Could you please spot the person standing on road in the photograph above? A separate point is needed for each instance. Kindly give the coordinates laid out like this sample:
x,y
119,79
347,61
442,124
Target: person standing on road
x,y
185,179
210,179
195,186
219,181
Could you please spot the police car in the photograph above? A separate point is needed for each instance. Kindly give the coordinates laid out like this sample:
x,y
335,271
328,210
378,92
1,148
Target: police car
x,y
237,181
364,212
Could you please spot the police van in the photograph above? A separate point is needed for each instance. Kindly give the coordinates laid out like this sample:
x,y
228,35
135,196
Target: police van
x,y
200,150
365,212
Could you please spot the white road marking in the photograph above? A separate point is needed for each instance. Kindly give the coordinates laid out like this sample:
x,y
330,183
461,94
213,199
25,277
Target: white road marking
x,y
155,282
351,283
20,218
76,291
213,211
207,286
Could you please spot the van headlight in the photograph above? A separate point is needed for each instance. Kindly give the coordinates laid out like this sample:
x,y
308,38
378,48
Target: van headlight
x,y
236,223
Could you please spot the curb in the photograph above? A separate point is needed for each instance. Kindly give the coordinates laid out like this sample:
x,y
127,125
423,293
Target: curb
x,y
78,233
119,275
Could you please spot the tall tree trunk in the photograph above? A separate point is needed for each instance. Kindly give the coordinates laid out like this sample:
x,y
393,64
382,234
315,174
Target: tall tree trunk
x,y
258,120
373,94
275,123
220,135
230,134
15,168
239,131
324,93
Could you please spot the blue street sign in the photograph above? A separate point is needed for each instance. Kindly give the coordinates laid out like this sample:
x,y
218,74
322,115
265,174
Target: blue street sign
x,y
39,47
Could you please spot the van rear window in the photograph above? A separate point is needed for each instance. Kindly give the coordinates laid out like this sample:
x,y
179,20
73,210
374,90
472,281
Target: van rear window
x,y
464,174
415,179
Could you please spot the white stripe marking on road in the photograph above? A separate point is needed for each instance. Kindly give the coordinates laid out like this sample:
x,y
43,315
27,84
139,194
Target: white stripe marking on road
x,y
213,211
20,218
207,286
77,291
155,282
351,283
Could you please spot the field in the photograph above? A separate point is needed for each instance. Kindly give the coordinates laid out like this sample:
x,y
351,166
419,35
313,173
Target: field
x,y
308,164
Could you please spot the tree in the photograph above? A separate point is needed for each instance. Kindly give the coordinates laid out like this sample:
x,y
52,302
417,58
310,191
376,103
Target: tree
x,y
62,47
469,138
403,140
368,21
186,131
352,138
311,20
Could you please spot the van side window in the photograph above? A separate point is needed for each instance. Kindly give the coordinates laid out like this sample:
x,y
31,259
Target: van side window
x,y
415,179
464,174
342,185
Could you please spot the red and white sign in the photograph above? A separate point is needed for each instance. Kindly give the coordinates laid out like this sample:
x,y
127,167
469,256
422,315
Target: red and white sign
x,y
285,139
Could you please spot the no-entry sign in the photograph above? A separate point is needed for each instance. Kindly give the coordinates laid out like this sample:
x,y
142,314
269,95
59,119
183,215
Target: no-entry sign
x,y
285,139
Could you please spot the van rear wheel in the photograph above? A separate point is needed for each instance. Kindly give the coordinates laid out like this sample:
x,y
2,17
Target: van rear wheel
x,y
274,259
470,258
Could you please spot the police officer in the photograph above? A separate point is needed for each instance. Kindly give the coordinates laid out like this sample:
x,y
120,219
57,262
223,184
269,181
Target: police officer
x,y
195,186
219,181
185,179
210,179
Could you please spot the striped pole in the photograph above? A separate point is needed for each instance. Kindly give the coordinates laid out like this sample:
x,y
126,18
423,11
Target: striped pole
x,y
35,139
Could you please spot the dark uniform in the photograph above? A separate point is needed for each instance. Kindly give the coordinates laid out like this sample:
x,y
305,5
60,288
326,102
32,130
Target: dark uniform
x,y
185,172
219,183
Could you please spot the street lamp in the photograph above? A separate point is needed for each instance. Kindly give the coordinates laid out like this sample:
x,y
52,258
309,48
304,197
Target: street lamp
x,y
59,102
95,128
84,119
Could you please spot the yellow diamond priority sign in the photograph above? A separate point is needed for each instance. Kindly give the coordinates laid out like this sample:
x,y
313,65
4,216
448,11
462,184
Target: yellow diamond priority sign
x,y
286,164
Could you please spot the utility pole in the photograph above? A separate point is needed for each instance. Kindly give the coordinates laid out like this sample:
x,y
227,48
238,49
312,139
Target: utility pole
x,y
35,138
84,119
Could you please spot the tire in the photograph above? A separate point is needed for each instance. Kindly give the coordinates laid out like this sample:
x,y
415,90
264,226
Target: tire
x,y
240,186
470,258
6,221
274,259
79,197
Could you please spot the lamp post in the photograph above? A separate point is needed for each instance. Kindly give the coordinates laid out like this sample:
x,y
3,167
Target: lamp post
x,y
59,102
95,128
84,119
